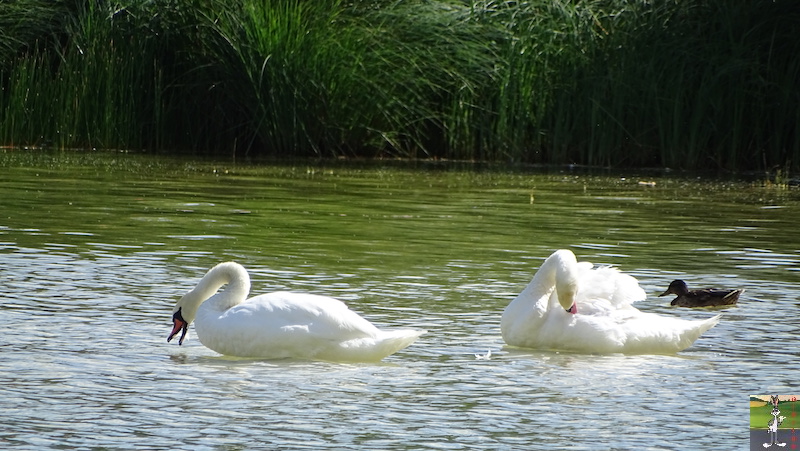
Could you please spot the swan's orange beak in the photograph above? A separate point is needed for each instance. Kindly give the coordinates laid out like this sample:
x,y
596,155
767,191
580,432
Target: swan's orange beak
x,y
178,325
573,309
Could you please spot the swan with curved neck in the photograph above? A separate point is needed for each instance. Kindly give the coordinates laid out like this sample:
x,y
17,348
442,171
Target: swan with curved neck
x,y
572,306
279,324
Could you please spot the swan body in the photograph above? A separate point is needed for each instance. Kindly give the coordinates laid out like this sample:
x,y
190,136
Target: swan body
x,y
280,324
573,306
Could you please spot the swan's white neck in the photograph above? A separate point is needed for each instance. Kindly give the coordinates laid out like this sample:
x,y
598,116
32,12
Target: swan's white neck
x,y
229,273
558,272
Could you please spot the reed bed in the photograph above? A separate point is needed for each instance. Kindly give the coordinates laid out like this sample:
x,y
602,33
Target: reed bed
x,y
689,84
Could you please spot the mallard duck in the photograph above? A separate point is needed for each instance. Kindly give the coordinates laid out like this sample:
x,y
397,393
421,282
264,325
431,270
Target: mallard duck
x,y
707,297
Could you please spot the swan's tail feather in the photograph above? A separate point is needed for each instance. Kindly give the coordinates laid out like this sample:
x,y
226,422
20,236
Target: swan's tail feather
x,y
399,339
390,342
709,323
664,335
700,327
374,349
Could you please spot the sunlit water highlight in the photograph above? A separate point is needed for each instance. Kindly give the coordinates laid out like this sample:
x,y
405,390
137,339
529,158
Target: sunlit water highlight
x,y
95,249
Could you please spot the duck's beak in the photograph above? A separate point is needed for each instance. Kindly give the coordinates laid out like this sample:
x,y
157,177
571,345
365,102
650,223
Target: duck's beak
x,y
178,325
665,293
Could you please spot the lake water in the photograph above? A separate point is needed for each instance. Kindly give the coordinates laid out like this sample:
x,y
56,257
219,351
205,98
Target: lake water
x,y
95,248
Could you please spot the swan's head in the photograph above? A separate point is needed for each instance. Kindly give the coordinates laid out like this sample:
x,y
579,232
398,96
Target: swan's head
x,y
182,315
566,279
566,291
224,273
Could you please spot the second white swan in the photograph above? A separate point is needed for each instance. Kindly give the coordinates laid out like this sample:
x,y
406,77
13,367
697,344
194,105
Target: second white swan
x,y
280,324
573,306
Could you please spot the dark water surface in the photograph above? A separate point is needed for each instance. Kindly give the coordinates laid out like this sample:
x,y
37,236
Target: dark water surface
x,y
96,248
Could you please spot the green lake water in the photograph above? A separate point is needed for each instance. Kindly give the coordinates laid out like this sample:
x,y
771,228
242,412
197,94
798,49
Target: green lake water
x,y
95,248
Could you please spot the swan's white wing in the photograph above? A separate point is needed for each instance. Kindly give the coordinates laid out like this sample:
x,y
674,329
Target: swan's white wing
x,y
323,327
606,288
282,324
318,316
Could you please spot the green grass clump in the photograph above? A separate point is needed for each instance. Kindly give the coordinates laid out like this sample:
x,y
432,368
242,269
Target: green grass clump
x,y
685,84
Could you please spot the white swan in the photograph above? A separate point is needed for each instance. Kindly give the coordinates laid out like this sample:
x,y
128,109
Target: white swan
x,y
280,324
572,306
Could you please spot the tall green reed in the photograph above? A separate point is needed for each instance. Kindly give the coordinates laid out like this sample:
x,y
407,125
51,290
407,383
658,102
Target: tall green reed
x,y
28,26
85,90
603,82
335,78
685,84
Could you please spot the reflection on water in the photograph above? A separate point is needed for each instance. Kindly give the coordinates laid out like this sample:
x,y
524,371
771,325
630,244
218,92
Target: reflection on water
x,y
95,250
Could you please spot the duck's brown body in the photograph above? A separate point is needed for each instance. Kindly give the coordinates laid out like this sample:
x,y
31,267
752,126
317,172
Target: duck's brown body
x,y
708,297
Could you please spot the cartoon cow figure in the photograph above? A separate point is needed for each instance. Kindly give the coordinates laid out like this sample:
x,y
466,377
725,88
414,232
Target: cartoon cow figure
x,y
773,424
